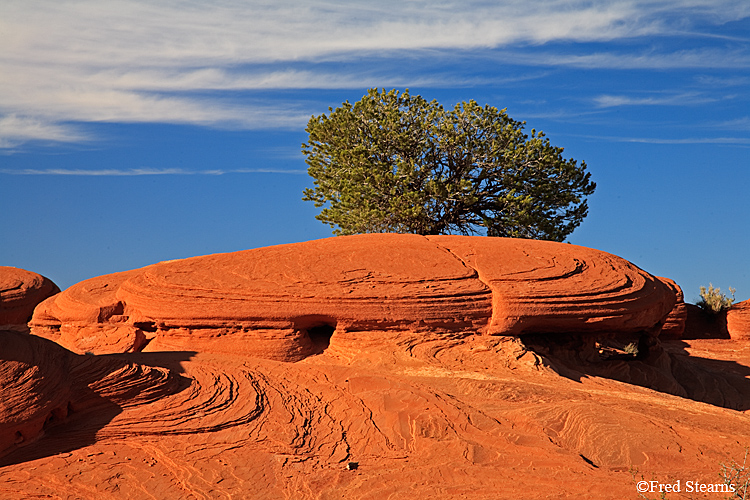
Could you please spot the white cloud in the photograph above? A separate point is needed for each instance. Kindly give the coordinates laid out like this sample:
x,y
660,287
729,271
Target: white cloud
x,y
139,61
175,33
694,58
741,124
15,130
609,101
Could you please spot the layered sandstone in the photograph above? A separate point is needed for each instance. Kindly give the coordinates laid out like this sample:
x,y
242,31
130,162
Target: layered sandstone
x,y
283,302
456,367
20,292
548,287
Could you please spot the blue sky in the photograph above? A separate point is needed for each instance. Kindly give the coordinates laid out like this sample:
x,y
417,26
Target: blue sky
x,y
132,133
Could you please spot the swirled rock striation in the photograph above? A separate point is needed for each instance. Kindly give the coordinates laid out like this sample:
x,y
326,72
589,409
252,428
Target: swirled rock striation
x,y
288,302
42,385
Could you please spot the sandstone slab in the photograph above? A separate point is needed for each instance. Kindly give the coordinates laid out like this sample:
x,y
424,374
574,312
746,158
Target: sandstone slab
x,y
422,416
287,302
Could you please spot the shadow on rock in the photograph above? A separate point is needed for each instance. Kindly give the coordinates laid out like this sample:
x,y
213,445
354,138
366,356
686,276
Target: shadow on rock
x,y
55,401
640,359
703,325
76,428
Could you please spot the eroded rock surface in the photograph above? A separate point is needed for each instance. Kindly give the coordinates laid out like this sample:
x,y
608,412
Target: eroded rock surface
x,y
426,367
543,286
20,292
288,302
421,415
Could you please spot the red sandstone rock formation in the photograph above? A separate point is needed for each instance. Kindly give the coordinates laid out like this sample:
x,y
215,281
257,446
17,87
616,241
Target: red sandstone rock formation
x,y
738,320
701,324
549,287
406,402
20,292
271,301
422,415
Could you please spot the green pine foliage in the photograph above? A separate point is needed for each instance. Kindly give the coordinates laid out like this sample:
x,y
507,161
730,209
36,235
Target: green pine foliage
x,y
393,162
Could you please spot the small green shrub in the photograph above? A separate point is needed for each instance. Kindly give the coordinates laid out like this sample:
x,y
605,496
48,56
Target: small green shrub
x,y
632,348
713,301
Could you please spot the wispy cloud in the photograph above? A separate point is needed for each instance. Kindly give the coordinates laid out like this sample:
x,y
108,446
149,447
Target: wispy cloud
x,y
742,124
714,81
15,130
182,62
700,58
145,171
734,141
608,101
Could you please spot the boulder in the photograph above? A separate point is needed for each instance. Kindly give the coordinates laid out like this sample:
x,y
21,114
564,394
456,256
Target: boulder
x,y
35,388
20,292
701,324
287,302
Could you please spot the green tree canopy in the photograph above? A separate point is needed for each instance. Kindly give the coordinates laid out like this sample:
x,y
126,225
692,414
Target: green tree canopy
x,y
393,162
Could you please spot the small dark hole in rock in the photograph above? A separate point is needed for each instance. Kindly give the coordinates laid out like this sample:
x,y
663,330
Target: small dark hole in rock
x,y
146,326
321,336
49,420
352,466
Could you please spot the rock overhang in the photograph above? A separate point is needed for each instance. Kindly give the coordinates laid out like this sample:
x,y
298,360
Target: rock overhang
x,y
264,302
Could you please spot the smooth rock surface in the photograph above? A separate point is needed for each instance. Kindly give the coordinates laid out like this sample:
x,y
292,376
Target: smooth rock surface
x,y
20,292
738,320
274,302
